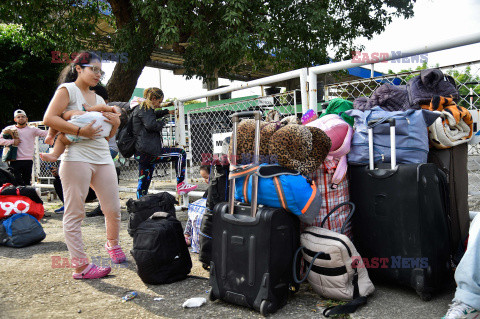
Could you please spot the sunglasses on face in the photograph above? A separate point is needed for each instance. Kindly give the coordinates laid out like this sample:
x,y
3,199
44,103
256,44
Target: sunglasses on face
x,y
95,69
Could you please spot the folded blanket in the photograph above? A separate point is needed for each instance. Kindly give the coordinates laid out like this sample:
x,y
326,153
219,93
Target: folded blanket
x,y
454,127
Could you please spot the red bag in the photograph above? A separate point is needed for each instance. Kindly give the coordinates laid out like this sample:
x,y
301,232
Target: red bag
x,y
14,204
332,197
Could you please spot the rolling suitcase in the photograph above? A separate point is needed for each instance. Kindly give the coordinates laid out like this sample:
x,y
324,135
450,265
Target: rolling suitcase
x,y
252,247
454,162
401,228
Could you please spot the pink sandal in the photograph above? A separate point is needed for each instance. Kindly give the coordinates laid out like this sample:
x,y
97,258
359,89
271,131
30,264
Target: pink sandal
x,y
92,272
116,253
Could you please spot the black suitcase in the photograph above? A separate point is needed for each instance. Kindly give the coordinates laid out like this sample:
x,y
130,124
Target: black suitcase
x,y
453,162
402,216
252,249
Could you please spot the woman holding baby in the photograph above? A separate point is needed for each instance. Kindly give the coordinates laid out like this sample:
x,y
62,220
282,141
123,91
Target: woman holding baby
x,y
86,159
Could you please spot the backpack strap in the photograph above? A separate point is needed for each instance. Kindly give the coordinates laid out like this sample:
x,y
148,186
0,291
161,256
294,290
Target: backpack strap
x,y
280,192
245,188
352,210
350,306
319,254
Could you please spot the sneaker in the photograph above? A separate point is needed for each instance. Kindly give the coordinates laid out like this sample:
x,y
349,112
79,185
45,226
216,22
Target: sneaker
x,y
59,210
96,212
116,253
459,310
183,188
92,272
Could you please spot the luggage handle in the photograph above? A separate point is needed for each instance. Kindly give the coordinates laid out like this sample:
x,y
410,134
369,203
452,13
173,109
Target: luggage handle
x,y
352,210
393,152
256,154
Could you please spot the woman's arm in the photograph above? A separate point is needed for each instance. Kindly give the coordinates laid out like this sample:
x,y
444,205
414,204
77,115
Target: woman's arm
x,y
53,117
114,119
149,120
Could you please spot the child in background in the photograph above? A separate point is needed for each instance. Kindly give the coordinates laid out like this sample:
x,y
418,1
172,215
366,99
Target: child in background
x,y
81,119
195,215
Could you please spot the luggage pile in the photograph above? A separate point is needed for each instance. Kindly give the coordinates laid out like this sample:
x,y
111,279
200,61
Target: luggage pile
x,y
411,198
20,211
374,189
398,156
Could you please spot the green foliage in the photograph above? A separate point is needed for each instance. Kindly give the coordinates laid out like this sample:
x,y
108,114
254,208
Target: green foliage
x,y
467,83
215,37
27,81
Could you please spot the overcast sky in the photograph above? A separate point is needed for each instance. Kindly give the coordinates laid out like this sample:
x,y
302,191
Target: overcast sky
x,y
434,20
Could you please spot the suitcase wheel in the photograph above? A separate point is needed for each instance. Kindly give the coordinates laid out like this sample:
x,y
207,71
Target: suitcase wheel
x,y
211,296
264,307
425,296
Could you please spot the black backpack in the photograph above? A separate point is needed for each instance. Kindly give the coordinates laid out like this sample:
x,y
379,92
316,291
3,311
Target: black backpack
x,y
141,209
160,251
217,193
126,139
21,230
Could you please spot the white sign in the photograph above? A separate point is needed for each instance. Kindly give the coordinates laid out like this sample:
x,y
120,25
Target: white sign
x,y
218,141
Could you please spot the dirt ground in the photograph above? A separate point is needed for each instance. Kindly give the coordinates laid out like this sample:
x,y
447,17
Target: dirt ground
x,y
34,284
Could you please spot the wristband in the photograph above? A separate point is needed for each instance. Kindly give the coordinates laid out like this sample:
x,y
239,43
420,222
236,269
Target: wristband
x,y
78,132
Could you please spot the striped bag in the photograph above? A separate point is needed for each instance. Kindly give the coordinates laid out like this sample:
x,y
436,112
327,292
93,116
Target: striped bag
x,y
322,177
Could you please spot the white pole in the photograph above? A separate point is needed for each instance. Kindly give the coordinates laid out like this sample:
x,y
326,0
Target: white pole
x,y
437,46
312,91
241,86
304,89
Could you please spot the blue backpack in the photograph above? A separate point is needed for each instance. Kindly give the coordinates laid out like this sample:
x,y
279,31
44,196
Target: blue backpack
x,y
21,230
279,187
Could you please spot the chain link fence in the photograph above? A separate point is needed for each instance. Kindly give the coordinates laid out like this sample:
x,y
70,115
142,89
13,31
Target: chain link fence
x,y
208,127
467,78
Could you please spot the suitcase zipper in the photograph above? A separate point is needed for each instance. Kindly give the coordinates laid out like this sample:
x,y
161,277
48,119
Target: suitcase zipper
x,y
329,237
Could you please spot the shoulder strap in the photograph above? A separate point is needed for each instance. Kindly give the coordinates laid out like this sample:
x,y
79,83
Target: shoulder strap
x,y
280,192
352,210
350,306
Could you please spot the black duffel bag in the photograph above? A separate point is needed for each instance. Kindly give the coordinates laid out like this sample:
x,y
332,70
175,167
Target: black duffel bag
x,y
160,251
141,209
28,191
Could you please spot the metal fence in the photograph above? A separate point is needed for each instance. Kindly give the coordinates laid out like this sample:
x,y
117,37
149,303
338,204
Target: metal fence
x,y
209,126
467,78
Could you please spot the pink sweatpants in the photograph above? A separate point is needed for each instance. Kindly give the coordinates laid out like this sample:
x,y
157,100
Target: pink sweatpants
x,y
76,178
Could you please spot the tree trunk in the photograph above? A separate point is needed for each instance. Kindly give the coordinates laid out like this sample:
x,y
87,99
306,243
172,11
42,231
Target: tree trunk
x,y
123,81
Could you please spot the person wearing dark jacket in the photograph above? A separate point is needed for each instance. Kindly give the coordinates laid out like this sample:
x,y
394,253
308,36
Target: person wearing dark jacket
x,y
147,129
